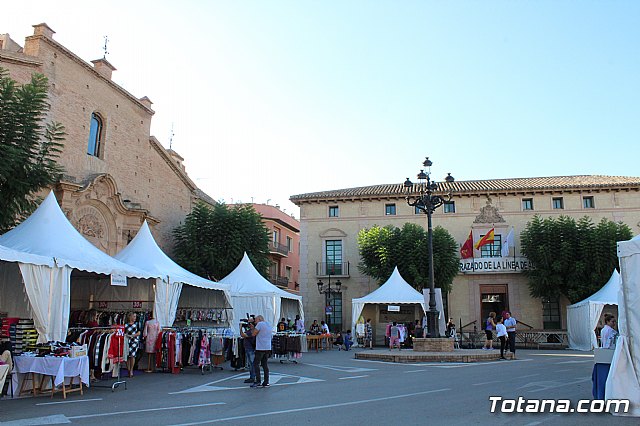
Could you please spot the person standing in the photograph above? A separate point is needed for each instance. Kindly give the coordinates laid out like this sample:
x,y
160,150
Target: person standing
x,y
510,323
368,334
263,334
490,325
132,332
501,331
394,336
299,324
419,331
324,327
608,333
249,343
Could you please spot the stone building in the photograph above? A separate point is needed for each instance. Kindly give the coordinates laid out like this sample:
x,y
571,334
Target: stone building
x,y
116,173
330,222
284,246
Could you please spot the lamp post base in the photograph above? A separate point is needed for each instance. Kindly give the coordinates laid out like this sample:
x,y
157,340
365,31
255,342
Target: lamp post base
x,y
432,324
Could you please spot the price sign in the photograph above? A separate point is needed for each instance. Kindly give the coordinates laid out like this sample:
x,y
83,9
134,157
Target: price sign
x,y
137,305
103,305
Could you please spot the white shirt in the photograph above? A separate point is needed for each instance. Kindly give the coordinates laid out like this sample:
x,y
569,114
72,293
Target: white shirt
x,y
501,329
299,326
263,338
325,328
606,336
510,323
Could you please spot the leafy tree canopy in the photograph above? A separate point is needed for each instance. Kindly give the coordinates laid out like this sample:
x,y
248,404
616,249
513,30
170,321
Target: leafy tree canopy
x,y
28,147
569,257
212,240
381,249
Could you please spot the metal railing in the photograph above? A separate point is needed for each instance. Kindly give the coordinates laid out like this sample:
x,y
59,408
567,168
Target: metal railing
x,y
278,248
324,269
278,280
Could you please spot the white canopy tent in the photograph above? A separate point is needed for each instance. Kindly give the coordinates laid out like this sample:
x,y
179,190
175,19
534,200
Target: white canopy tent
x,y
583,317
143,252
48,234
251,293
394,291
623,381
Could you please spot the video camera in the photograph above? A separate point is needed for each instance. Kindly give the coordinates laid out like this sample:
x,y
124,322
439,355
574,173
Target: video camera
x,y
244,322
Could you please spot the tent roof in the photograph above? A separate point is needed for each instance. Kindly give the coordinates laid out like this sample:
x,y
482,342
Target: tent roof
x,y
143,252
395,290
245,280
10,255
48,233
630,247
607,295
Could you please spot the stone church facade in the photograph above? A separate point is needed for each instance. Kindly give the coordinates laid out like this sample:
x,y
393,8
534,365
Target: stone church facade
x,y
116,174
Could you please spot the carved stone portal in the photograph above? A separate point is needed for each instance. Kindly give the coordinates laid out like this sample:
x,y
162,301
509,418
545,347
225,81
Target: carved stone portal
x,y
90,222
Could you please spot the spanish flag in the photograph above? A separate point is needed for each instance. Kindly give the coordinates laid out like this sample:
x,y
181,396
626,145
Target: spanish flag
x,y
487,239
466,251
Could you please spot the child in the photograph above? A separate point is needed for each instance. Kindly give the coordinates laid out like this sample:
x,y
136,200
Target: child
x,y
338,341
348,342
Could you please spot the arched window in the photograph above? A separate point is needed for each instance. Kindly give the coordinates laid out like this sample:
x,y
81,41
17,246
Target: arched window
x,y
95,136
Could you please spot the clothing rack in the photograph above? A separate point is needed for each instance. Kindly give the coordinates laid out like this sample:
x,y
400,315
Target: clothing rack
x,y
119,381
217,332
287,355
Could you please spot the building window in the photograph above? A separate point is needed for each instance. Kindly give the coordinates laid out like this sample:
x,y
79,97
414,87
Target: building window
x,y
558,203
289,244
551,314
390,209
587,203
333,257
527,204
492,249
449,207
287,270
333,211
333,311
95,136
276,236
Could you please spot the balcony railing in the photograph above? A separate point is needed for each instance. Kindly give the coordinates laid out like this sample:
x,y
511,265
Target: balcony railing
x,y
279,281
324,269
278,248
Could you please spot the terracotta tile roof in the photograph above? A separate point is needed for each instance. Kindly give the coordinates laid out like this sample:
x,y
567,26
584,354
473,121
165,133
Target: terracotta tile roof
x,y
468,187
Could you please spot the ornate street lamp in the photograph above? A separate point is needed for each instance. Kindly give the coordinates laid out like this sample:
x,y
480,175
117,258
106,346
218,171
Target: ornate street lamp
x,y
328,291
422,196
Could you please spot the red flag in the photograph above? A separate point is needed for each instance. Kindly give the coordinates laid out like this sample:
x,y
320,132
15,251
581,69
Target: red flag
x,y
466,251
487,239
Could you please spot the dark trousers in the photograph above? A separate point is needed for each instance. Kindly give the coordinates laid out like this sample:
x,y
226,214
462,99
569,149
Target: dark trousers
x,y
512,341
503,345
262,357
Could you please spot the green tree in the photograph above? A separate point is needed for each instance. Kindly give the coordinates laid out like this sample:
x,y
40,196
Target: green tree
x,y
569,257
212,240
383,248
28,147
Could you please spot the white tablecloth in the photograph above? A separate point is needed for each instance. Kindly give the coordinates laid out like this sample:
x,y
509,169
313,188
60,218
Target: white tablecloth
x,y
57,367
4,370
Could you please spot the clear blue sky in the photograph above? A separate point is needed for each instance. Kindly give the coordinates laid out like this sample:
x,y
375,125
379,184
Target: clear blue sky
x,y
274,98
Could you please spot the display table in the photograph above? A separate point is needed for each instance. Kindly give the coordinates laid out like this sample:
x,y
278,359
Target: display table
x,y
319,341
28,369
4,371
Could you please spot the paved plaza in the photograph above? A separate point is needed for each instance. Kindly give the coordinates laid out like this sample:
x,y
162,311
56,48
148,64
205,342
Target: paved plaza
x,y
331,388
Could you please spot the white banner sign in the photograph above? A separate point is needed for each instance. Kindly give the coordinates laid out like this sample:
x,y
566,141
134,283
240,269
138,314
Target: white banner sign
x,y
494,265
119,280
393,308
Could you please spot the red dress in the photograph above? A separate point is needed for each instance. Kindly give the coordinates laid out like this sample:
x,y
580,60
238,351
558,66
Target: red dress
x,y
116,347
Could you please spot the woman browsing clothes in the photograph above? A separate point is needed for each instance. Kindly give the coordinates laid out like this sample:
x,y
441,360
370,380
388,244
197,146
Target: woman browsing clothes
x,y
131,331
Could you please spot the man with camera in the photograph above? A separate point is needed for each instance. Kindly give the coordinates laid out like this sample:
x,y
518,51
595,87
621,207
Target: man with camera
x,y
262,332
249,342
